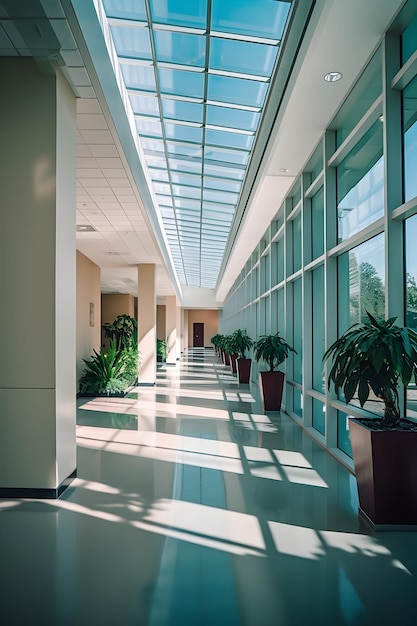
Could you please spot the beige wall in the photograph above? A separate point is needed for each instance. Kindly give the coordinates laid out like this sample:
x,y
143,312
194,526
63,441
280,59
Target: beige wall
x,y
161,321
88,291
209,318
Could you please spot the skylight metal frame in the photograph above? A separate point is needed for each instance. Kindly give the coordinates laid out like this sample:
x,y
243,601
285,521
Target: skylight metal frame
x,y
157,127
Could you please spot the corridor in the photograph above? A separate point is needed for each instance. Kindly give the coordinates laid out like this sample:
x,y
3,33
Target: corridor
x,y
193,508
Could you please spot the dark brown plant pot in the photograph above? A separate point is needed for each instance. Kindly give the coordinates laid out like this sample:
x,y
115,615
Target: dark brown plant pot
x,y
243,367
233,363
226,358
386,474
271,385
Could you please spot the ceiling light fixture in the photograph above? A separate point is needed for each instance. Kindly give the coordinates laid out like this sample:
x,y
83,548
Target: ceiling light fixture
x,y
332,77
284,170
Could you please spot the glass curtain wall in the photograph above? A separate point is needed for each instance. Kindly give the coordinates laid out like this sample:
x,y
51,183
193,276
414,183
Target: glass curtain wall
x,y
333,256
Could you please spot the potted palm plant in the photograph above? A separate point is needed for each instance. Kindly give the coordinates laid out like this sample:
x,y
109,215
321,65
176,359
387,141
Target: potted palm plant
x,y
273,350
371,359
241,342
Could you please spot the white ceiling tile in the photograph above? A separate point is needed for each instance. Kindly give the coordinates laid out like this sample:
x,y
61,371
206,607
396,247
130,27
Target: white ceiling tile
x,y
88,106
89,173
105,151
105,162
86,162
118,183
91,183
114,173
98,137
91,122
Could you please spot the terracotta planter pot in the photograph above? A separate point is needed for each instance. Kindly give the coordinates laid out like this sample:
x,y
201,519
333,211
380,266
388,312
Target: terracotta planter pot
x,y
233,363
386,474
243,367
271,385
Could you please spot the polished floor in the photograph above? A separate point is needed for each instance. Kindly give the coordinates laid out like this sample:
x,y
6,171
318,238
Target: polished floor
x,y
193,508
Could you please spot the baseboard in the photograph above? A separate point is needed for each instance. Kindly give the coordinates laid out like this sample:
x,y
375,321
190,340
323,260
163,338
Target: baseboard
x,y
38,494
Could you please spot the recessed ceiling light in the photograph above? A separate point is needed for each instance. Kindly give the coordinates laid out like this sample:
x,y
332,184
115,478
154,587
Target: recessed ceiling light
x,y
85,228
284,170
332,77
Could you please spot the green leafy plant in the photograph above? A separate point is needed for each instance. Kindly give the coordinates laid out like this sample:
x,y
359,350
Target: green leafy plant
x,y
104,372
123,330
216,340
161,349
240,342
272,349
376,356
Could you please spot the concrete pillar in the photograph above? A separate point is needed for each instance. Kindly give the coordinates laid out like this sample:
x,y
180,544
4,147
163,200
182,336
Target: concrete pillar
x,y
147,323
37,284
171,329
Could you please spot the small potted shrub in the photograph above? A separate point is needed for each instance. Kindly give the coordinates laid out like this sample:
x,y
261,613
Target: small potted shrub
x,y
273,350
372,358
216,341
241,342
161,350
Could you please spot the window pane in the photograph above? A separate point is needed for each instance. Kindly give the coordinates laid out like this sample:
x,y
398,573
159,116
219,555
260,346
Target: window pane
x,y
317,225
319,422
296,243
318,328
298,330
409,40
191,14
411,298
360,185
242,56
343,439
410,140
361,280
180,48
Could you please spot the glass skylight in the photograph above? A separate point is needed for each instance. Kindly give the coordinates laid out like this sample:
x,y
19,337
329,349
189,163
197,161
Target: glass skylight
x,y
197,75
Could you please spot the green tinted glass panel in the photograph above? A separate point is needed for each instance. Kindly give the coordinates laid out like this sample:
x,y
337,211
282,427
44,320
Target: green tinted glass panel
x,y
319,416
360,185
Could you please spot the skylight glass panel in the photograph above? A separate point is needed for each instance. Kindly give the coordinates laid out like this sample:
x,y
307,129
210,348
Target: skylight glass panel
x,y
224,171
229,140
232,118
236,90
139,77
186,192
159,174
194,181
242,56
228,156
266,19
186,203
180,48
212,183
126,9
149,127
157,162
132,42
181,82
184,133
193,151
220,196
180,12
144,105
198,123
179,110
191,166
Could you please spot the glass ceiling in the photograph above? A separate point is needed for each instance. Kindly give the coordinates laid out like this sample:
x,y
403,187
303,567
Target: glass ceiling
x,y
197,73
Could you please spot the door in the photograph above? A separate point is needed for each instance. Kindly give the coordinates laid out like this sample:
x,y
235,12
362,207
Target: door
x,y
198,335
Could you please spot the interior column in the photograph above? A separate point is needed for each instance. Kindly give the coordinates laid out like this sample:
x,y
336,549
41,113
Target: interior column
x,y
37,285
171,329
147,323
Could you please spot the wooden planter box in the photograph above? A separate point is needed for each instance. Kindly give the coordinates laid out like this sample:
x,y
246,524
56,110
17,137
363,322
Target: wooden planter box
x,y
386,474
